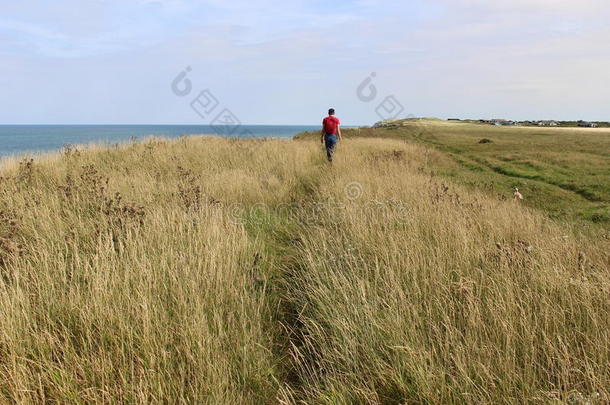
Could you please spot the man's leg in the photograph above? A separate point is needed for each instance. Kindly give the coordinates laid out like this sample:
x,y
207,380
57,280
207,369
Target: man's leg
x,y
330,147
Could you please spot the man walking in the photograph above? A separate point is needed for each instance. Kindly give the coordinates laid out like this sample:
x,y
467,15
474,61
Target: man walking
x,y
330,132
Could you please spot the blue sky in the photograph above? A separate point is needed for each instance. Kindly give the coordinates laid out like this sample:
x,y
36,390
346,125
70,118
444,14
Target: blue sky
x,y
113,61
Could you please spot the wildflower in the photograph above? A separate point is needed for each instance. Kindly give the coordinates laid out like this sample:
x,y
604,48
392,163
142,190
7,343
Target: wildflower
x,y
518,196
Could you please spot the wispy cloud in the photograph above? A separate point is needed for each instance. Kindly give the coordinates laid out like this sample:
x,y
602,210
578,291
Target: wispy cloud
x,y
111,60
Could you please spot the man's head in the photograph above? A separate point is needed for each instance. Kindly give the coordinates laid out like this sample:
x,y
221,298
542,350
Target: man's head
x,y
331,111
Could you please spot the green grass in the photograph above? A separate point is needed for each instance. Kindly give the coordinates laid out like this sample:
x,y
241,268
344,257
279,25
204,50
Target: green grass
x,y
562,171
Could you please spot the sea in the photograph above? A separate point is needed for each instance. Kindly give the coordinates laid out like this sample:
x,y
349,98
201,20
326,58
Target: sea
x,y
25,139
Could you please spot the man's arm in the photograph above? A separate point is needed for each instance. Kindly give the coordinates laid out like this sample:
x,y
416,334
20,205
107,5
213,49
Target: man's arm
x,y
322,133
339,132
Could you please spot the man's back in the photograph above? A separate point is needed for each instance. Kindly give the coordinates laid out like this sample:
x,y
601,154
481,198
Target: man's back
x,y
330,124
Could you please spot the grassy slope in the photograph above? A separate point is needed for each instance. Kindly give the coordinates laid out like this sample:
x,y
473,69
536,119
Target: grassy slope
x,y
252,272
564,171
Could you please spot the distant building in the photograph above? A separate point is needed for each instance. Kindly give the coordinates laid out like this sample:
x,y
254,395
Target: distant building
x,y
587,124
548,123
501,122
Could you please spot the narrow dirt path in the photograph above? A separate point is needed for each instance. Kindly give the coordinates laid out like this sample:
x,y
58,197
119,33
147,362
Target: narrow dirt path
x,y
277,231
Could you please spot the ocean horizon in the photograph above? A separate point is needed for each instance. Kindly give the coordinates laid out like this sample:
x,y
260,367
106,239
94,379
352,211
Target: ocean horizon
x,y
24,139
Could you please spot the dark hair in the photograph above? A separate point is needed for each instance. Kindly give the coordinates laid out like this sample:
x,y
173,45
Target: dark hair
x,y
331,111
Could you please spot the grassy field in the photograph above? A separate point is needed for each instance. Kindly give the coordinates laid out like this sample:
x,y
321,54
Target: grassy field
x,y
563,171
208,270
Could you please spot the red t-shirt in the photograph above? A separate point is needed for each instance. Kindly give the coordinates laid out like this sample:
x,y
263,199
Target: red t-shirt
x,y
330,124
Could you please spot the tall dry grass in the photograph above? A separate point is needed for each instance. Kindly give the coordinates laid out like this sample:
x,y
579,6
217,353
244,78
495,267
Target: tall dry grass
x,y
126,277
424,292
207,270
